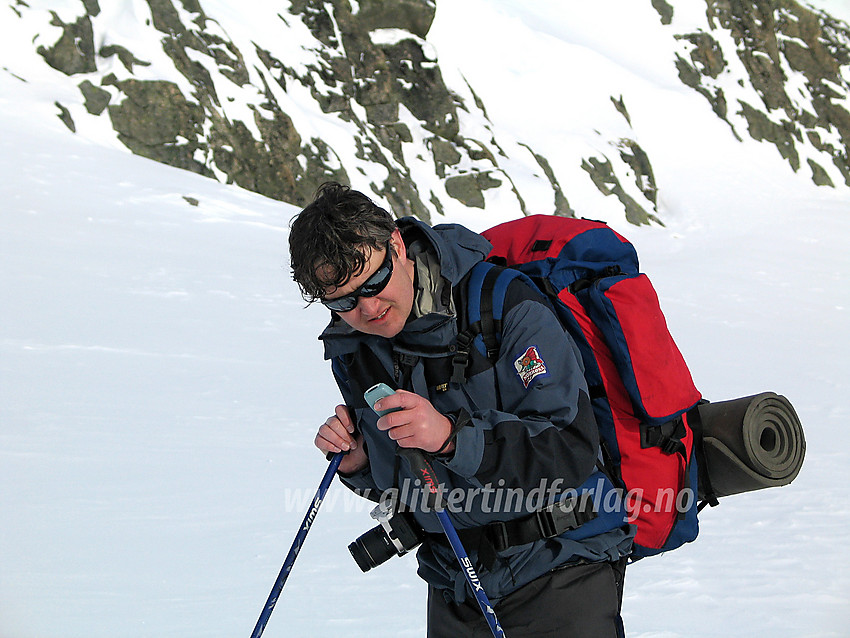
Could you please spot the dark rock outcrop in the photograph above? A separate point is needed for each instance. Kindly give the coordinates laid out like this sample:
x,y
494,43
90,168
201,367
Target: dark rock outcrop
x,y
369,69
775,40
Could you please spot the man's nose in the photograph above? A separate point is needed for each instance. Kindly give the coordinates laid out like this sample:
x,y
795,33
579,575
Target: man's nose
x,y
369,306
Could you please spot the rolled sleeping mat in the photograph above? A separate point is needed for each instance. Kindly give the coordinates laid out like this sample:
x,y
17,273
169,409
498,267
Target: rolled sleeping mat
x,y
751,443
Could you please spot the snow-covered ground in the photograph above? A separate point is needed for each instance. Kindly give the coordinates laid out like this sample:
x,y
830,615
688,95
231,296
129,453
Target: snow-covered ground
x,y
160,380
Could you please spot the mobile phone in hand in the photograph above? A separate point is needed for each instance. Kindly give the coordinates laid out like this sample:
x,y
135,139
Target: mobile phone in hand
x,y
379,391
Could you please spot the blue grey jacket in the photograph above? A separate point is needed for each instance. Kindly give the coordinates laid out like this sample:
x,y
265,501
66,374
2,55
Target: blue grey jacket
x,y
528,430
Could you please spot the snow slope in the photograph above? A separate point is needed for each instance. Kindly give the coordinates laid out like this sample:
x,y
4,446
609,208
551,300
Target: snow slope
x,y
160,381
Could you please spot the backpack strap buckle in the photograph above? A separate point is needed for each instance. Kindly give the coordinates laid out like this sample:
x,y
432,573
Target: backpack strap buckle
x,y
497,534
667,436
566,515
460,360
549,522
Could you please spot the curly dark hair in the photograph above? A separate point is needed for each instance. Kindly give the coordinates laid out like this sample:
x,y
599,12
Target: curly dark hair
x,y
328,240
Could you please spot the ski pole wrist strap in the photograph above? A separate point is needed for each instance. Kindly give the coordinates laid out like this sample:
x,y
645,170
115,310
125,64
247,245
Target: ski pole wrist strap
x,y
459,421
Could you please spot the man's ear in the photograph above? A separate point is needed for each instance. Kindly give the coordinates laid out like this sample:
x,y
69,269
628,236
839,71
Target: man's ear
x,y
397,244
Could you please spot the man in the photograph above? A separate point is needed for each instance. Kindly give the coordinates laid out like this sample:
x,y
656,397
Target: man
x,y
497,433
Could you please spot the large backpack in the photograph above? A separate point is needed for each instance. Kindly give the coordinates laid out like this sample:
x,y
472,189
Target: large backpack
x,y
640,387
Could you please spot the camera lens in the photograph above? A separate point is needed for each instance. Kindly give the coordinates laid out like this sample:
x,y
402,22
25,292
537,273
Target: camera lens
x,y
372,548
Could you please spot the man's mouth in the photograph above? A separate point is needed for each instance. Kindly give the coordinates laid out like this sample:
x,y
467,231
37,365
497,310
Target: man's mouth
x,y
380,316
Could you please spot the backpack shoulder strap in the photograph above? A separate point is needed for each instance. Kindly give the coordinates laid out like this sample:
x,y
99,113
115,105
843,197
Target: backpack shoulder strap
x,y
487,287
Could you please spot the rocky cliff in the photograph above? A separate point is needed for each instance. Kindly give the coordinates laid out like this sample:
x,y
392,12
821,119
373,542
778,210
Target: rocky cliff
x,y
351,90
321,91
777,71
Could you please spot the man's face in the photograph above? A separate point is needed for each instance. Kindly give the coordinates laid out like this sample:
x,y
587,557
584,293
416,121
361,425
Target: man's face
x,y
386,313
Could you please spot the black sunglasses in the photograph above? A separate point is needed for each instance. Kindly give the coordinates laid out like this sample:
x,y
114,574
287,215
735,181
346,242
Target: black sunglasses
x,y
372,286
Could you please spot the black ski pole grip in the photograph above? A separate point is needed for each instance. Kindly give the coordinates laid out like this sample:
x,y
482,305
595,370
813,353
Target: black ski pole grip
x,y
422,469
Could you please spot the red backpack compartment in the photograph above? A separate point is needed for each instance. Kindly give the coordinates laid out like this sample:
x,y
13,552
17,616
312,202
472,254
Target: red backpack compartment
x,y
639,383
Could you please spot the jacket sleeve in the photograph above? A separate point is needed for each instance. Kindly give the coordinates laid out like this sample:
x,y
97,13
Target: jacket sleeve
x,y
541,424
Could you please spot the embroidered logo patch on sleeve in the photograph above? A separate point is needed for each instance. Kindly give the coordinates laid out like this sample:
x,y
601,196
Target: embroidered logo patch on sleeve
x,y
529,366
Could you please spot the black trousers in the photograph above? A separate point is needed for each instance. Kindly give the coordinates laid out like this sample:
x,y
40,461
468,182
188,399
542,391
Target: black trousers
x,y
580,601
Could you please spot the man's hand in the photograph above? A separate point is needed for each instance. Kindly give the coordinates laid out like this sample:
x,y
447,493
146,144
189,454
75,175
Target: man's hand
x,y
337,435
416,424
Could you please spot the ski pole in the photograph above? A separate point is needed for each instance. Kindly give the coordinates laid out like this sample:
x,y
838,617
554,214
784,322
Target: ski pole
x,y
296,544
423,469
